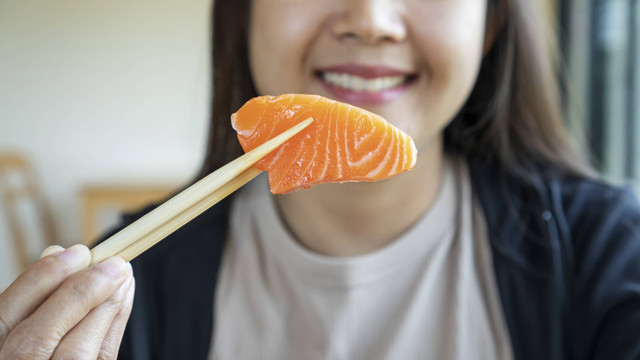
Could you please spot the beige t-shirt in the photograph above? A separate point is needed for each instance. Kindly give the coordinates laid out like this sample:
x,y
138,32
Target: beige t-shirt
x,y
430,294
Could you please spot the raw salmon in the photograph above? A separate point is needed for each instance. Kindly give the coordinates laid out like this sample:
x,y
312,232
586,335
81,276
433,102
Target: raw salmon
x,y
344,143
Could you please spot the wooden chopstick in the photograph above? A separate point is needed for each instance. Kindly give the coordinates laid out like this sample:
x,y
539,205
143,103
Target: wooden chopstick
x,y
191,202
143,244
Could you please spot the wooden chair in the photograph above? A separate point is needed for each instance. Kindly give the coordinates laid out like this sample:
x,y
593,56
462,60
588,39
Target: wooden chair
x,y
18,184
96,200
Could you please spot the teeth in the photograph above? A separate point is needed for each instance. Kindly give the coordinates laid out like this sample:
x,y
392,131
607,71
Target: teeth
x,y
357,83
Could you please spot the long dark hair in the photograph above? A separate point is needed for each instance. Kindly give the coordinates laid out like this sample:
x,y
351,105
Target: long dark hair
x,y
512,116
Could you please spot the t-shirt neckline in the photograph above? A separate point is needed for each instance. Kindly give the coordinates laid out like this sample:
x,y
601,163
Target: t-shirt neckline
x,y
435,228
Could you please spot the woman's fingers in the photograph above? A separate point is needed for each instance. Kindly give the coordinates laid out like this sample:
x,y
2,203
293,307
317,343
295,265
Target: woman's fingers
x,y
37,336
36,284
85,340
57,308
111,343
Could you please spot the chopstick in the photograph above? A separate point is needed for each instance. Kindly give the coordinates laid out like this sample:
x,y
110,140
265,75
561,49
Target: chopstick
x,y
150,229
144,243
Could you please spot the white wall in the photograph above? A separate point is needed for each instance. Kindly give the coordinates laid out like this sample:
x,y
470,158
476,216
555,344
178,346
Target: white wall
x,y
102,91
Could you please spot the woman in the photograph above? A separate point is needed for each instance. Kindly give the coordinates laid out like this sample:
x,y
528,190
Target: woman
x,y
500,243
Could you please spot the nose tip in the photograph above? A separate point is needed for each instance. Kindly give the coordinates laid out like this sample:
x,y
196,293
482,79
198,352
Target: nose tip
x,y
369,21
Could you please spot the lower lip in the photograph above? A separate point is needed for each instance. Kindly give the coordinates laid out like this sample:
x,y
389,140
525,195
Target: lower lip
x,y
366,98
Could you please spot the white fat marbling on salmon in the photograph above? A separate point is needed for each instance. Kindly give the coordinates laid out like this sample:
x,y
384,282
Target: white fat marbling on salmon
x,y
370,148
373,173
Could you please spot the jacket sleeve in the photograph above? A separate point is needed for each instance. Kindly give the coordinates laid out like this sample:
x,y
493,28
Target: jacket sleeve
x,y
605,291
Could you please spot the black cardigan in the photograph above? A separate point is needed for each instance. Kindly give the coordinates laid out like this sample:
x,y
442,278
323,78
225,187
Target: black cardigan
x,y
566,253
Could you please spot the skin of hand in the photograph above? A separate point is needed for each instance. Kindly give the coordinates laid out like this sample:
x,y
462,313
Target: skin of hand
x,y
62,308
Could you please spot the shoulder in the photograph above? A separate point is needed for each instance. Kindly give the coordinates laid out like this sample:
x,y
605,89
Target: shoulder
x,y
604,224
603,220
584,207
592,202
586,233
589,225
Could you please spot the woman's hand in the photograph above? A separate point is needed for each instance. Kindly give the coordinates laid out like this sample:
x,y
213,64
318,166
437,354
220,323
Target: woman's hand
x,y
61,308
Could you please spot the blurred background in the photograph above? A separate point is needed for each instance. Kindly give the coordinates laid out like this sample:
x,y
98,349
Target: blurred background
x,y
104,107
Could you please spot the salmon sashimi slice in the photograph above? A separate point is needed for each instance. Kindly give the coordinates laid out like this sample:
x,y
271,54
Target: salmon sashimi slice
x,y
344,143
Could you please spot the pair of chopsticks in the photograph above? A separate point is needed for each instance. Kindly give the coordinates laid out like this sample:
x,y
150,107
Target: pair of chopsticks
x,y
150,229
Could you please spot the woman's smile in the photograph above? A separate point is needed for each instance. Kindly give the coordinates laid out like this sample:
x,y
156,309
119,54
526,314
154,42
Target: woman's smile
x,y
365,84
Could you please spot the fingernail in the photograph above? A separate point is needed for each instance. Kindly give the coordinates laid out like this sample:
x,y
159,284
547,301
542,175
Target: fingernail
x,y
77,256
53,249
115,267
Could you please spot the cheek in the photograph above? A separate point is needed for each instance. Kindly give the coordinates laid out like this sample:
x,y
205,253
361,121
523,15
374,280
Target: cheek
x,y
449,42
279,36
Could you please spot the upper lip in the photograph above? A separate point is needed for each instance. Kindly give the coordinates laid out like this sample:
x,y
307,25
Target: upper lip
x,y
366,71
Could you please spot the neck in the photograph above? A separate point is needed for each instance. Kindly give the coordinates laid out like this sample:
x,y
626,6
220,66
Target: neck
x,y
357,218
